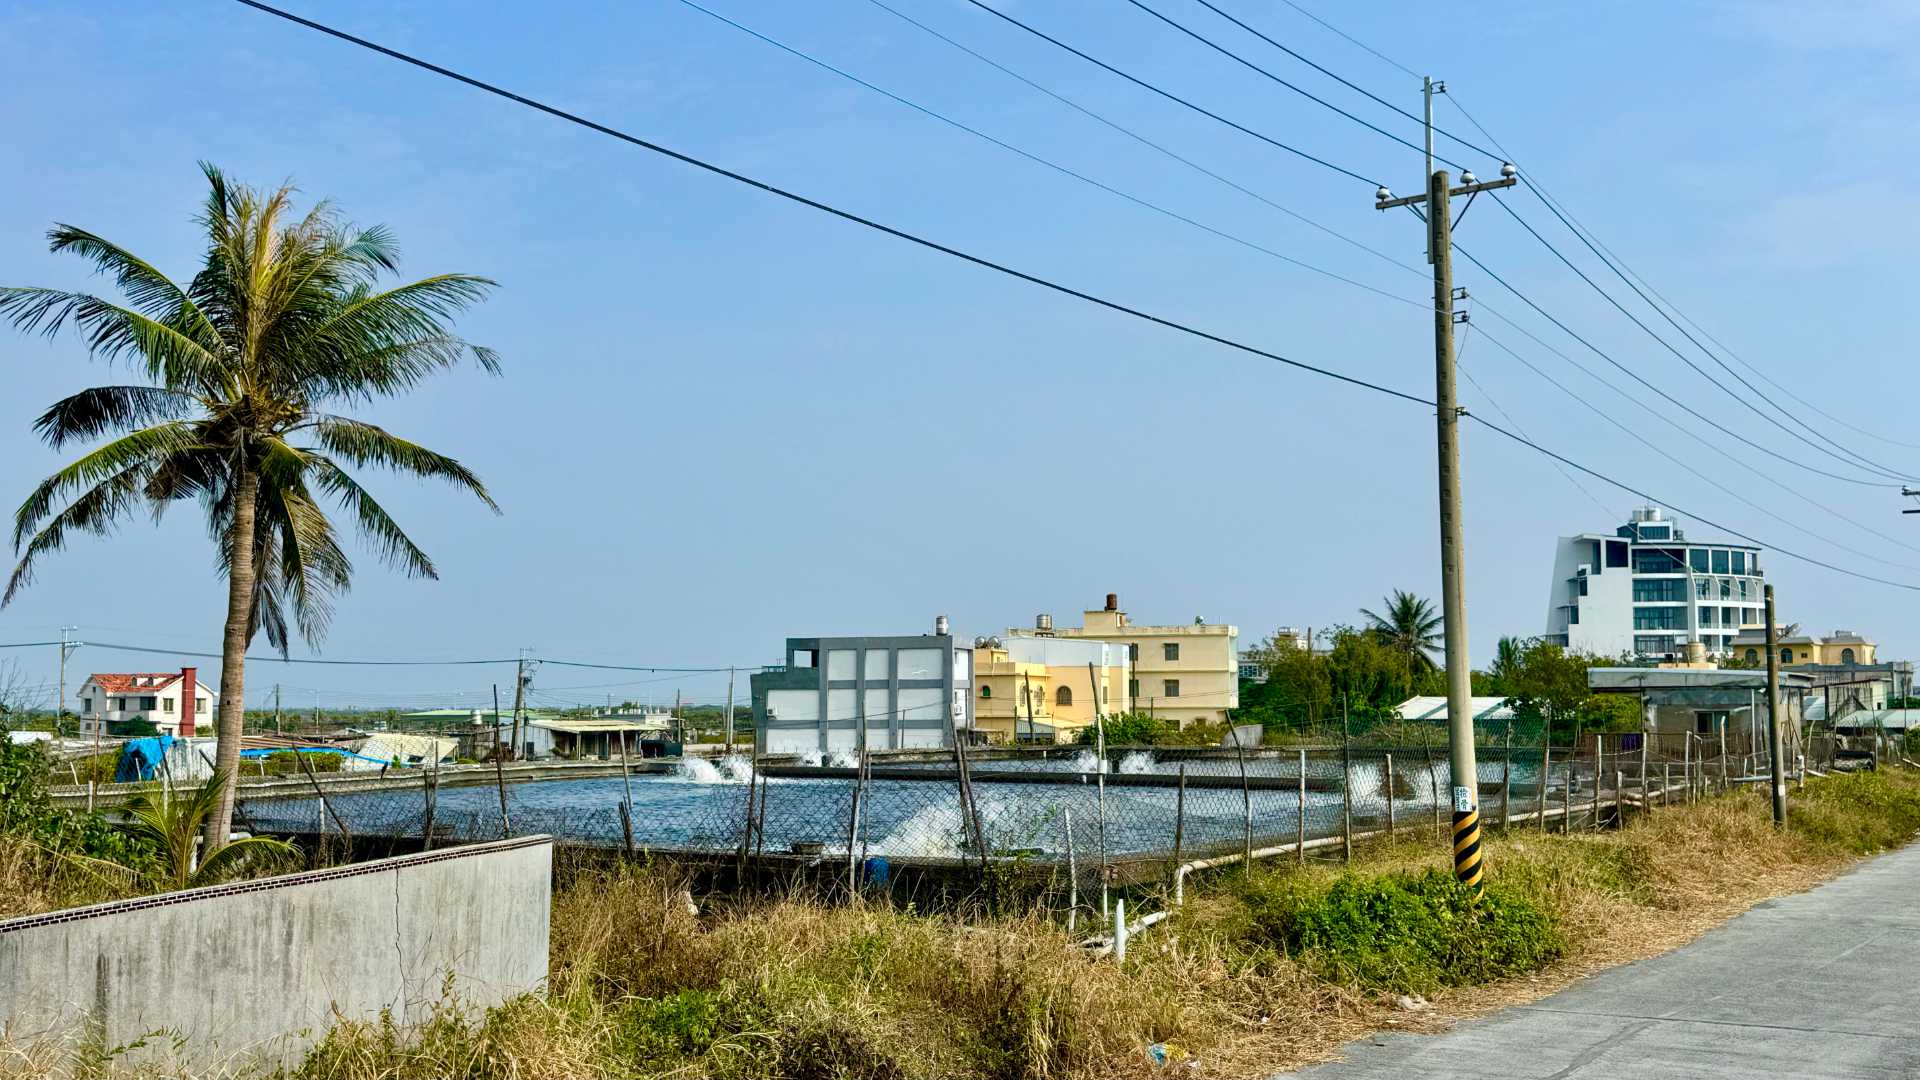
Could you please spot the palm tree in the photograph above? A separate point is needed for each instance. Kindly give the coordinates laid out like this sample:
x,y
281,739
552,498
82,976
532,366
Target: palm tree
x,y
1410,626
169,825
284,320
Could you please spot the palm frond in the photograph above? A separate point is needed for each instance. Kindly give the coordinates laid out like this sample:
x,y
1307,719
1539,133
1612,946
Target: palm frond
x,y
168,354
235,854
95,511
96,411
392,543
366,444
149,290
144,447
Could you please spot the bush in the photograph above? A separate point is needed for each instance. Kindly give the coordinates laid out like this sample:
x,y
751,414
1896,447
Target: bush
x,y
1412,933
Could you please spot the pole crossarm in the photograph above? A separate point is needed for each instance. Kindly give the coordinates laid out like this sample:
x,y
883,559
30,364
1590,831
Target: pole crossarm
x,y
1464,189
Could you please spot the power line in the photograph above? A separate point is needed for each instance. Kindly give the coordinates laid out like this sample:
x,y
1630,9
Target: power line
x,y
1169,95
1460,363
1145,141
1684,465
988,264
1351,40
112,647
1637,377
1683,358
1655,500
1048,163
1579,228
1251,66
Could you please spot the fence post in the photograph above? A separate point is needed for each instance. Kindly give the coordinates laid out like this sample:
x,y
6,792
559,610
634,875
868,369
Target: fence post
x,y
1180,817
1433,782
1724,786
1246,801
1300,817
426,809
853,832
1386,785
1346,788
1646,797
1506,780
1599,763
1686,764
500,781
1566,818
1073,874
1546,763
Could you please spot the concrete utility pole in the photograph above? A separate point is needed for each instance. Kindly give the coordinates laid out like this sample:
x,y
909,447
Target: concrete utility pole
x,y
1778,769
1453,601
730,709
60,714
519,698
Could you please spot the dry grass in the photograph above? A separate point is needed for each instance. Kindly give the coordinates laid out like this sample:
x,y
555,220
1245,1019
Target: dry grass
x,y
34,880
791,987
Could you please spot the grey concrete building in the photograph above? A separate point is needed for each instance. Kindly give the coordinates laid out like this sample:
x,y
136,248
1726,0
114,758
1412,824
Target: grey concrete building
x,y
841,694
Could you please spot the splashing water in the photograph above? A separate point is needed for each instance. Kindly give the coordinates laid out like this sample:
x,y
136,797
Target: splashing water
x,y
838,759
1087,761
1139,761
732,769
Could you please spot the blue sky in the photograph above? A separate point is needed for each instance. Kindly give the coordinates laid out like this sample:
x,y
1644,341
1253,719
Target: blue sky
x,y
726,419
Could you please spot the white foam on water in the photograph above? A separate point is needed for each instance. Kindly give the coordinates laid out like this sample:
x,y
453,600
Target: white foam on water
x,y
1087,761
837,759
1366,781
1139,761
732,769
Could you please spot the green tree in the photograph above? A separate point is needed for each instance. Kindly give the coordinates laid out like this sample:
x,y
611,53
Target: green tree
x,y
285,319
169,822
1409,625
1371,672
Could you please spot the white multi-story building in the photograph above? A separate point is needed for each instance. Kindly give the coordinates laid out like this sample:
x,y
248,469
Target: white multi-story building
x,y
1647,590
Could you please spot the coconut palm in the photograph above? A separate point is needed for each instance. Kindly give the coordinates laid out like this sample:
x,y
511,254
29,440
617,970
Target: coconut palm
x,y
1409,626
170,821
284,320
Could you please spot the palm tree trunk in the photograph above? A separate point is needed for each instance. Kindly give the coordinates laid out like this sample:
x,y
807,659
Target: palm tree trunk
x,y
233,649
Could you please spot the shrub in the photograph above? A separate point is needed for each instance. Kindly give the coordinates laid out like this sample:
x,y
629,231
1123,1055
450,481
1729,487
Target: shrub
x,y
1413,933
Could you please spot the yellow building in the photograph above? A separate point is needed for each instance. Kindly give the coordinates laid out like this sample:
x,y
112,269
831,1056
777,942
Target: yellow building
x,y
1187,673
1045,690
1840,648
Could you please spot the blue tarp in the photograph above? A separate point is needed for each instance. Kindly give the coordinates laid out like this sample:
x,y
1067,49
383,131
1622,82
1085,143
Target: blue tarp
x,y
140,757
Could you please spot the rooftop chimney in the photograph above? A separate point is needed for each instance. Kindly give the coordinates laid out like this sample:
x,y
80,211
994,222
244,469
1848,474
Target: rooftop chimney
x,y
189,689
1113,601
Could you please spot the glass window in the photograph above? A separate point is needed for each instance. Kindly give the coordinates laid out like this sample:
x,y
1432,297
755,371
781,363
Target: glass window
x,y
1582,585
1786,656
199,704
1063,696
1656,562
986,691
1650,644
1657,618
166,704
1730,616
1846,656
1753,656
1702,587
1671,590
1573,618
1726,588
1719,561
1706,616
1616,553
1697,558
1656,532
1739,562
1133,688
1170,651
1172,687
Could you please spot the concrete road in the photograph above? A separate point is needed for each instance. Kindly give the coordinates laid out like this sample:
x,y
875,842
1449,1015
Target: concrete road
x,y
1823,984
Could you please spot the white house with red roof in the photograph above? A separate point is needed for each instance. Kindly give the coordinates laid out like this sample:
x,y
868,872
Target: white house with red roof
x,y
177,702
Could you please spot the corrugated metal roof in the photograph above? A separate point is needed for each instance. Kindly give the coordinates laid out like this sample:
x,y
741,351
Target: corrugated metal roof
x,y
1428,707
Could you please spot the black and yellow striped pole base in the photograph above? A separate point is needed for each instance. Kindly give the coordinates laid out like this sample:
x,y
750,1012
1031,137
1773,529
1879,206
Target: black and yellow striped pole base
x,y
1466,849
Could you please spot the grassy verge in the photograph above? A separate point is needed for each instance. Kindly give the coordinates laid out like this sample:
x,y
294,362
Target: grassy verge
x,y
1257,973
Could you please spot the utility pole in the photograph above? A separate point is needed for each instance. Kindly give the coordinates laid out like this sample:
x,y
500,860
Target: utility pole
x,y
519,699
1778,769
1453,601
276,708
60,714
730,710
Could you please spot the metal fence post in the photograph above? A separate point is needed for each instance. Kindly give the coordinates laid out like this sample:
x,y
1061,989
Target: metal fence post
x,y
1073,874
1506,780
1546,774
1300,818
1646,798
1386,785
1180,817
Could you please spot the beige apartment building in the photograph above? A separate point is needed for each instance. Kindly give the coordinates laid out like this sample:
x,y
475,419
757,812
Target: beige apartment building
x,y
1188,673
1045,690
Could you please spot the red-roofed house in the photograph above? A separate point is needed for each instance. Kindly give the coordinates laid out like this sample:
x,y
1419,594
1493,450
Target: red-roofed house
x,y
109,698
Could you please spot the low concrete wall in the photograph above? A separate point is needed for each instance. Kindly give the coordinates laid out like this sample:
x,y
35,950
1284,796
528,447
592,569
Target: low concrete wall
x,y
254,971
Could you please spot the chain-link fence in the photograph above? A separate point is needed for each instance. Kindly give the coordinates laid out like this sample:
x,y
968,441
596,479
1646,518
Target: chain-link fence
x,y
1058,815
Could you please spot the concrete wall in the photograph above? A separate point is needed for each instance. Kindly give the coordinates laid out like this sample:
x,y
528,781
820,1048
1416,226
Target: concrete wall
x,y
253,971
